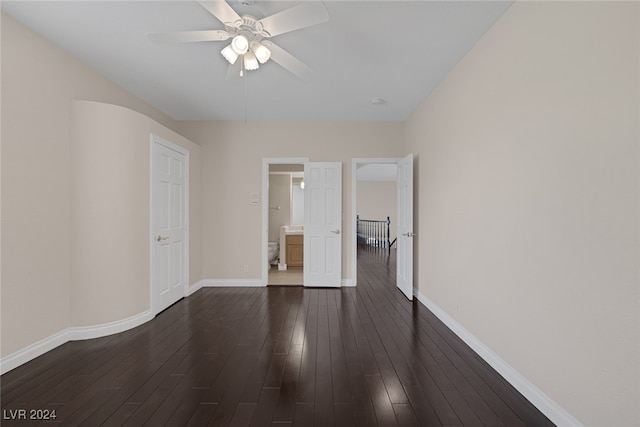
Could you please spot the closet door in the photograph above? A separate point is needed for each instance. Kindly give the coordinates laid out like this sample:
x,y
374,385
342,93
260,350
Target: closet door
x,y
169,223
323,224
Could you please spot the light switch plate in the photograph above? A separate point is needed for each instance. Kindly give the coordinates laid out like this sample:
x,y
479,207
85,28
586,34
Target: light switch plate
x,y
254,198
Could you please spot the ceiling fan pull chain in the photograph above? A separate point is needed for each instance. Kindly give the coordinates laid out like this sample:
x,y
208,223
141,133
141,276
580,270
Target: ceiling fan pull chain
x,y
246,97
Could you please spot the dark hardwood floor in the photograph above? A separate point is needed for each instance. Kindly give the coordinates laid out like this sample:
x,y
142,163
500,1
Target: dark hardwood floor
x,y
360,356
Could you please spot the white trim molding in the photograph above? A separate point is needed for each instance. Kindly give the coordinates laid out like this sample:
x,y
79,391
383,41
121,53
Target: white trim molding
x,y
537,397
32,351
195,287
77,333
348,283
231,283
355,163
264,268
242,283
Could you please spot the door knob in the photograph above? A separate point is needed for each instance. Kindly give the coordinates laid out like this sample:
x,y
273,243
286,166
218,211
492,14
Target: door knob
x,y
160,238
335,231
408,234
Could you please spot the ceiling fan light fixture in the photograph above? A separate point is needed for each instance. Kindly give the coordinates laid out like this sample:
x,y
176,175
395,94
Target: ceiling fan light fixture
x,y
250,61
240,44
262,53
229,54
249,34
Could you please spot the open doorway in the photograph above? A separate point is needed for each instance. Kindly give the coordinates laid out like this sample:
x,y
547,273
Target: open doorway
x,y
321,245
283,219
375,209
382,192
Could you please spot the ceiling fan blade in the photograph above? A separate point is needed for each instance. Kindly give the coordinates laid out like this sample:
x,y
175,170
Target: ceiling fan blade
x,y
288,61
304,15
189,36
223,12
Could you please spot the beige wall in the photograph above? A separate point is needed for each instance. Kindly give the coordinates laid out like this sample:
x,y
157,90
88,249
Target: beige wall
x,y
528,200
233,153
377,200
39,81
110,206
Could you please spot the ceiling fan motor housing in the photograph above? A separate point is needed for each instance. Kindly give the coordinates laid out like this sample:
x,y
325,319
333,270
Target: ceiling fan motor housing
x,y
249,27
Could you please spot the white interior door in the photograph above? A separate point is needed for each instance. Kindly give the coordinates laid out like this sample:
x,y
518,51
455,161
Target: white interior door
x,y
323,224
404,274
169,224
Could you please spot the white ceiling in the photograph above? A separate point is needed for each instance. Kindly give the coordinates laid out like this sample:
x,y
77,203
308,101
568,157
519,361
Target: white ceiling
x,y
394,50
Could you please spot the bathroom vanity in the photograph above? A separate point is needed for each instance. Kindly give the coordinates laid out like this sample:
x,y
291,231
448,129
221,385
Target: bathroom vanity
x,y
291,246
295,250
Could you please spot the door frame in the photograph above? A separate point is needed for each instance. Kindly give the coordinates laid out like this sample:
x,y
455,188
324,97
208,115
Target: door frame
x,y
264,280
355,163
154,141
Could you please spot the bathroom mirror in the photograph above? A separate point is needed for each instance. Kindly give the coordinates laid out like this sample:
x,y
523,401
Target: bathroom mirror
x,y
286,198
297,200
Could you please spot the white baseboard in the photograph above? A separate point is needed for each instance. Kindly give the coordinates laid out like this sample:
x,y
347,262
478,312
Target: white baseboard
x,y
231,283
87,332
32,351
194,287
551,409
39,348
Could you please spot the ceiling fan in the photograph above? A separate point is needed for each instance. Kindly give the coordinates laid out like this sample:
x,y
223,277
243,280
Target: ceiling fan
x,y
250,37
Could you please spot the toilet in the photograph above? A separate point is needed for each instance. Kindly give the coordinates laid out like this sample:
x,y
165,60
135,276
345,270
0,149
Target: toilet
x,y
272,254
